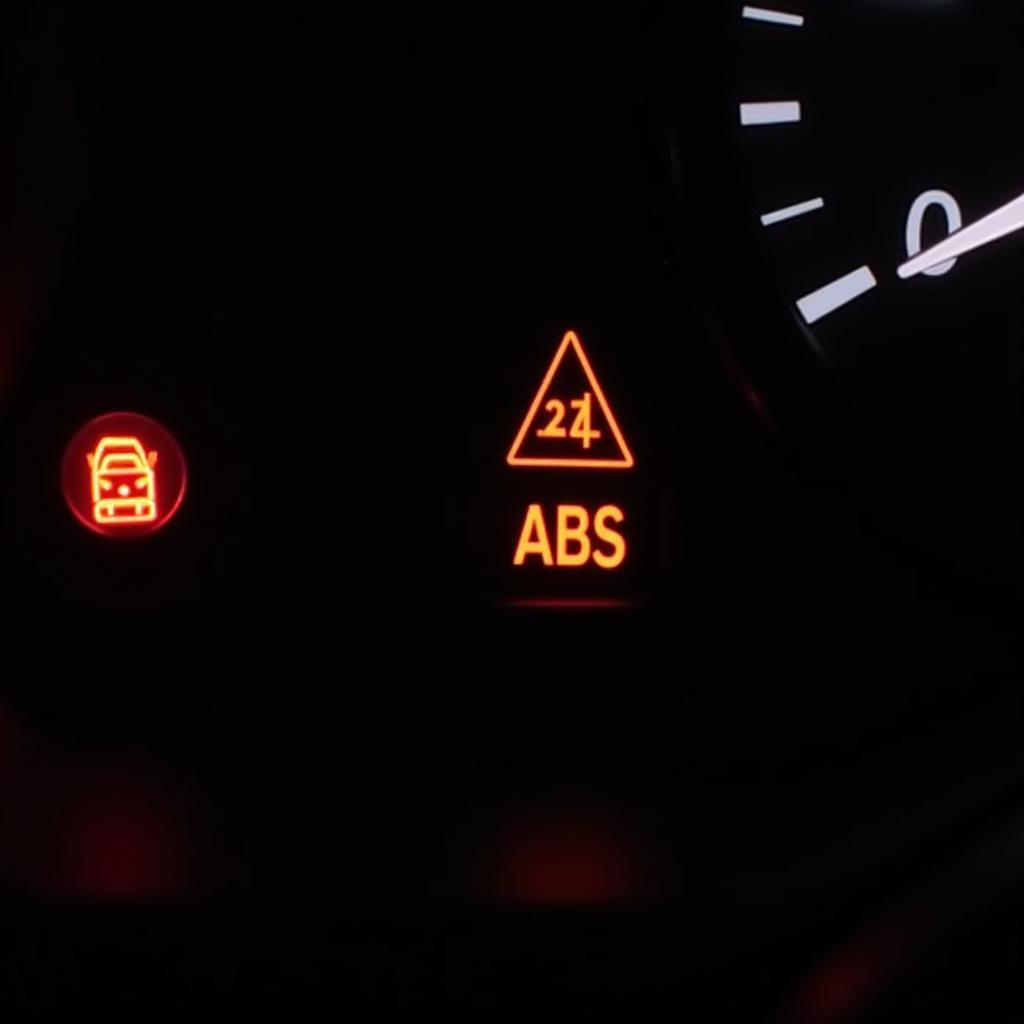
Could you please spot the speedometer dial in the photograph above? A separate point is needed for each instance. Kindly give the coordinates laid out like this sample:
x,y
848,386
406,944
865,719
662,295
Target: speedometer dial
x,y
866,134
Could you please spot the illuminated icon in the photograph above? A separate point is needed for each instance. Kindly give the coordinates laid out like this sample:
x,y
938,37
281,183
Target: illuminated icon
x,y
123,482
570,424
573,547
123,475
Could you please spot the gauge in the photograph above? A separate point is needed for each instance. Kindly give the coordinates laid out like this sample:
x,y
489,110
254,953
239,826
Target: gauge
x,y
864,134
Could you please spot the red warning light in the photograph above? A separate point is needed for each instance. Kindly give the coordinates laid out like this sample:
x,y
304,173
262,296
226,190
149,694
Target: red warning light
x,y
121,464
123,475
570,424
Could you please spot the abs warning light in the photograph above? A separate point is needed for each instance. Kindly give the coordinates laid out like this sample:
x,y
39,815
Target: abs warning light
x,y
570,424
123,475
572,547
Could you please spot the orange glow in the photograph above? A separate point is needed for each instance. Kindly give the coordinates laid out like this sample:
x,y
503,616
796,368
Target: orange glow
x,y
618,543
533,540
572,530
122,463
123,475
573,547
562,447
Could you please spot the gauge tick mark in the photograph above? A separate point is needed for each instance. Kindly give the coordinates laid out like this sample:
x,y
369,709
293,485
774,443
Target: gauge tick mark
x,y
773,17
789,212
780,112
830,297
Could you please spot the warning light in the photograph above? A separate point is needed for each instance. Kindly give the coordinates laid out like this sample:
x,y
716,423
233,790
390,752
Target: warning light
x,y
122,463
573,547
123,475
570,424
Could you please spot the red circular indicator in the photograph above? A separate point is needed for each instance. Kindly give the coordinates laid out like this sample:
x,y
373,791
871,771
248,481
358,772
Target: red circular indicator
x,y
123,475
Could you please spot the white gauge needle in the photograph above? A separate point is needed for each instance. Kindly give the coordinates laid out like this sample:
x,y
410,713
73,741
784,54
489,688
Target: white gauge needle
x,y
999,223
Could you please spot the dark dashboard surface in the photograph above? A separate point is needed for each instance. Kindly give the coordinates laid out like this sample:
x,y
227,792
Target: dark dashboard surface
x,y
317,739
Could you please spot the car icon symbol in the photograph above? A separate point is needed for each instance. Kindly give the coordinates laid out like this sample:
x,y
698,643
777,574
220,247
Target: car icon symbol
x,y
123,482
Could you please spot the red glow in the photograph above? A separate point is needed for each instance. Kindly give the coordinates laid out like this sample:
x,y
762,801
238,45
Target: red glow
x,y
570,603
838,990
76,829
568,855
121,845
123,475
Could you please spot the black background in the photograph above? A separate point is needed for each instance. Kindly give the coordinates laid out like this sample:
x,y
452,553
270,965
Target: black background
x,y
334,255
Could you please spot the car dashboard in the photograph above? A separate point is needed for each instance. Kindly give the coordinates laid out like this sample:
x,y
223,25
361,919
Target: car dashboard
x,y
511,510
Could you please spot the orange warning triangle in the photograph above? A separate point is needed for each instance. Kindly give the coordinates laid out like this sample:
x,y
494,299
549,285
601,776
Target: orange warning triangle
x,y
570,424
